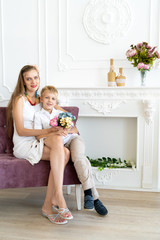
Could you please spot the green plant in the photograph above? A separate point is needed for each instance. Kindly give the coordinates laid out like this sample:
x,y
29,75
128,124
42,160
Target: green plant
x,y
108,162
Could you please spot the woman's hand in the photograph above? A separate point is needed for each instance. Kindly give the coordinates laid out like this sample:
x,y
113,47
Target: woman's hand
x,y
38,137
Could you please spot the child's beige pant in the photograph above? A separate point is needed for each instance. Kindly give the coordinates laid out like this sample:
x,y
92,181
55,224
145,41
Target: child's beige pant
x,y
81,163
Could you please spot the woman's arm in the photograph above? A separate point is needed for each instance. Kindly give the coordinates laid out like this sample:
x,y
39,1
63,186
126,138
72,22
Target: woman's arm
x,y
43,136
19,122
59,108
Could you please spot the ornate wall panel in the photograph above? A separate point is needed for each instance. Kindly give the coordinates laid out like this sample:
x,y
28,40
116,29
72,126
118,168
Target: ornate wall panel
x,y
85,27
107,21
20,40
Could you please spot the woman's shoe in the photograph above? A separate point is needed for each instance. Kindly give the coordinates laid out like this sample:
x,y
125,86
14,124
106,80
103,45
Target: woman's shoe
x,y
55,208
55,218
65,213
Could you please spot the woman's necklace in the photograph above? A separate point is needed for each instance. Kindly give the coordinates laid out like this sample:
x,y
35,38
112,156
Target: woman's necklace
x,y
36,99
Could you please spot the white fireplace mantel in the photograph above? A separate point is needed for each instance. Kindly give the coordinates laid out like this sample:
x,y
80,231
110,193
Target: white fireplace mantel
x,y
141,103
104,99
110,92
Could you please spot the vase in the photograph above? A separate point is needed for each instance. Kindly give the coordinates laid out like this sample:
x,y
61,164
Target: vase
x,y
143,77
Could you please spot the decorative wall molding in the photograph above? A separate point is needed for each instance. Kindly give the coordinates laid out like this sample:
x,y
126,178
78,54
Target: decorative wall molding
x,y
98,15
46,42
62,67
107,175
107,21
3,50
149,110
147,179
105,100
110,93
106,107
5,84
104,176
1,98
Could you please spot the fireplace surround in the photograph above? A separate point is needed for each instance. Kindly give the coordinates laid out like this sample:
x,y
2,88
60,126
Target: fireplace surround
x,y
140,103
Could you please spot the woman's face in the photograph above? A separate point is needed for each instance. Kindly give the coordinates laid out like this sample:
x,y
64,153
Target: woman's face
x,y
31,80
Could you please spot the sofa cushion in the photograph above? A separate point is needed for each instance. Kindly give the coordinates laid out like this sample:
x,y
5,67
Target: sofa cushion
x,y
6,145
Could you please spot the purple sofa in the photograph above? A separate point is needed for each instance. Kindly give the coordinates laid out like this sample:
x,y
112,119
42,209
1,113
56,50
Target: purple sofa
x,y
19,173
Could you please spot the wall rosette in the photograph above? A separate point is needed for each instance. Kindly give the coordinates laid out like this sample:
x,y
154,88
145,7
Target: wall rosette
x,y
105,21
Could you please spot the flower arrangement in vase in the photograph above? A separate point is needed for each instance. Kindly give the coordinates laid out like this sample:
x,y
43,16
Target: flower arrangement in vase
x,y
142,56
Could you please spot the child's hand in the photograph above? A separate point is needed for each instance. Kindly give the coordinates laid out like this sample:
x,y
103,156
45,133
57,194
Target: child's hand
x,y
62,131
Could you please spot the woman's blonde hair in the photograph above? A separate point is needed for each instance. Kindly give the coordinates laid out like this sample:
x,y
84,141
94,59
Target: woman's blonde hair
x,y
51,89
18,91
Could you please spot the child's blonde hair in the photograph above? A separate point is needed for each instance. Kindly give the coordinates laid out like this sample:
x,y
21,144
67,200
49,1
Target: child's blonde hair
x,y
52,89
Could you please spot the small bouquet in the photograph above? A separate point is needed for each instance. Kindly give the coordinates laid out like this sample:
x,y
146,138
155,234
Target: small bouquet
x,y
142,56
64,119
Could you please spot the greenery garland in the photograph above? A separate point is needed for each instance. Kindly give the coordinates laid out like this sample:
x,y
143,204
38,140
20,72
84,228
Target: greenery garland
x,y
108,162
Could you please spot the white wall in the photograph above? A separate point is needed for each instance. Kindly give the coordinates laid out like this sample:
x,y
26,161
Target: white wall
x,y
69,48
72,42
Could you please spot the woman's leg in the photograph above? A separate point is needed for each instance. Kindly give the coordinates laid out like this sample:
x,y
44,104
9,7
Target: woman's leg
x,y
47,206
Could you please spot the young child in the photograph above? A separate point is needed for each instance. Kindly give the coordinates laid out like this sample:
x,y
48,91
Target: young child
x,y
75,144
42,118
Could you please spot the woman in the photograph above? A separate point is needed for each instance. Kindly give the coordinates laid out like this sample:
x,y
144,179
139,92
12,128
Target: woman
x,y
23,104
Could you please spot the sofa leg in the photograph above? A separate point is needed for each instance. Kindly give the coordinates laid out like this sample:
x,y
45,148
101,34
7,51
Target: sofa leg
x,y
78,195
68,189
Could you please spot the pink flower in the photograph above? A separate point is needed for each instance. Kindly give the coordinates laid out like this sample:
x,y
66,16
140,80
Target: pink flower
x,y
140,65
139,45
157,54
53,122
146,66
148,46
152,50
131,52
150,55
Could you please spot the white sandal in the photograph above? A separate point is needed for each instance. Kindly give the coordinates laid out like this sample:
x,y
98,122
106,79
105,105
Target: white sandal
x,y
53,218
63,212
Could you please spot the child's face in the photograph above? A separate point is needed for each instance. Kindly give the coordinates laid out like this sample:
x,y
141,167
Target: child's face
x,y
49,100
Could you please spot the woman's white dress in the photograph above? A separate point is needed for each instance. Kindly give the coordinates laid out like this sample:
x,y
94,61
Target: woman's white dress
x,y
28,147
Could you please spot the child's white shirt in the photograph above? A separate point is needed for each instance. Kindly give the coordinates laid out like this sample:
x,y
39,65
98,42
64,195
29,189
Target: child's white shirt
x,y
42,118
